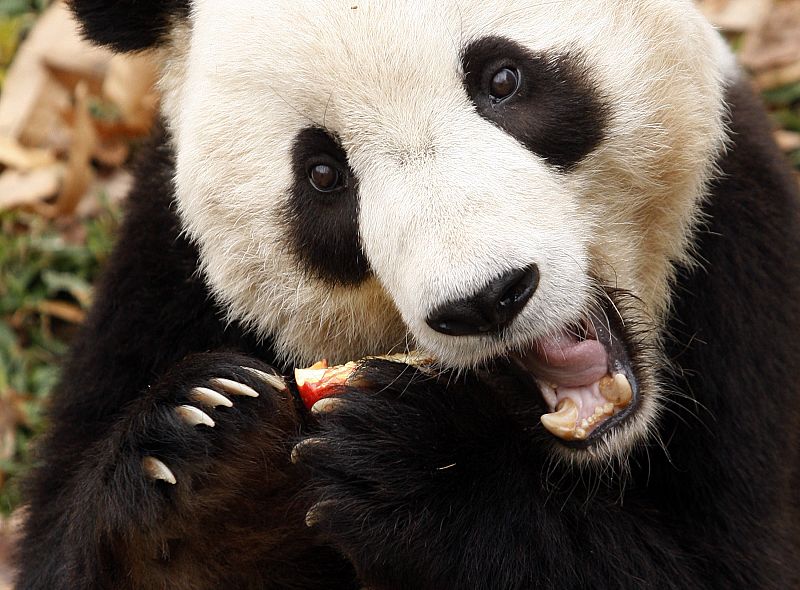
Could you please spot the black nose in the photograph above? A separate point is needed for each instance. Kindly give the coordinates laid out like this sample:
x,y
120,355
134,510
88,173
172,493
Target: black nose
x,y
489,310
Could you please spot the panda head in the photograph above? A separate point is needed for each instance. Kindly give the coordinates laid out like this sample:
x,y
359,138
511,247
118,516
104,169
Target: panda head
x,y
478,180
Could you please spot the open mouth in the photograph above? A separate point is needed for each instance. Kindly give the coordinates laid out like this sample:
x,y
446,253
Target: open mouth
x,y
585,377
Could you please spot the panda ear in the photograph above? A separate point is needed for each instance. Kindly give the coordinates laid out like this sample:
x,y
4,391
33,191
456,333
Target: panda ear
x,y
128,25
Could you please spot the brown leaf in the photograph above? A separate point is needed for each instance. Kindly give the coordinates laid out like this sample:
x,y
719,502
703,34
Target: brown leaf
x,y
79,172
736,15
10,528
14,155
28,91
18,189
788,141
130,84
777,77
62,310
775,44
111,154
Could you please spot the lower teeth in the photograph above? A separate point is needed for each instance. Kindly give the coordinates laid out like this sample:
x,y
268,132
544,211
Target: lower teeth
x,y
563,423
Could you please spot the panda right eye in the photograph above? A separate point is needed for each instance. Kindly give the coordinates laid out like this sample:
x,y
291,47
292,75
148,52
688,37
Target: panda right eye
x,y
325,178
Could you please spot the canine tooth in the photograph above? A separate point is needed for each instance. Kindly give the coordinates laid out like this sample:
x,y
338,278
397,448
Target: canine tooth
x,y
192,416
210,398
616,389
234,387
274,381
325,405
561,423
155,469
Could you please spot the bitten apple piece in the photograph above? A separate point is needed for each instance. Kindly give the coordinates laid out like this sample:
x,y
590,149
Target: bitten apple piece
x,y
320,381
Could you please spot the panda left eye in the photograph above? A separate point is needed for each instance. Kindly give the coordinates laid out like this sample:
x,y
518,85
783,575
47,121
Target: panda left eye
x,y
325,178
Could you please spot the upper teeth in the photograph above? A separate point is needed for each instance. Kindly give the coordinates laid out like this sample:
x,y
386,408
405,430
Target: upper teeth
x,y
616,389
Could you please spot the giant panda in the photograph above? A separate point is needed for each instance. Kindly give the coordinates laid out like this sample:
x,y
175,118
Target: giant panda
x,y
538,196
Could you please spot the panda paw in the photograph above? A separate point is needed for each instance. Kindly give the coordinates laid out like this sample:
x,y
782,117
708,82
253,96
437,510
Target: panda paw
x,y
392,472
205,410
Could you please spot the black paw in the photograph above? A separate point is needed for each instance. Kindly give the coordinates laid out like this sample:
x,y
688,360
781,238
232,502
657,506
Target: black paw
x,y
399,472
209,409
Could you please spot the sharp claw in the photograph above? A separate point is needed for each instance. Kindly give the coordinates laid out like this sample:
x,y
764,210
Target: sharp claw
x,y
326,405
274,381
209,398
192,416
234,387
155,469
298,448
314,514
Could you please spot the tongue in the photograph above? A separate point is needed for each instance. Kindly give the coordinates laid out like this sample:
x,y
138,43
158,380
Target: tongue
x,y
564,361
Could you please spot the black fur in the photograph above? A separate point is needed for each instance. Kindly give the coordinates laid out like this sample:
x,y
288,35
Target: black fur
x,y
129,25
556,112
424,482
324,226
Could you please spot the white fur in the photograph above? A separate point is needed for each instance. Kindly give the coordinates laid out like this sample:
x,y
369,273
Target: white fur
x,y
448,200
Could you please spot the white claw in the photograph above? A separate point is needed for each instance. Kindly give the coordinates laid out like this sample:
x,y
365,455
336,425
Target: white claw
x,y
298,448
274,381
155,469
209,398
192,416
314,513
326,405
234,387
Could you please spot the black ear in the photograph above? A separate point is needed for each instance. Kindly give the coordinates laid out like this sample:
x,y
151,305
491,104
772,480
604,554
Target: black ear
x,y
128,25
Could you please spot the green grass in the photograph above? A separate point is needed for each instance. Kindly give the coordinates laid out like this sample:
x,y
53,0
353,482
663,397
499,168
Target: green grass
x,y
39,266
784,103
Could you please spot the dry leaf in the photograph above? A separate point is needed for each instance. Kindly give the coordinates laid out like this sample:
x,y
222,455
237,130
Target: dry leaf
x,y
788,141
18,189
777,77
776,44
111,154
28,91
79,172
736,15
130,84
10,528
62,310
14,155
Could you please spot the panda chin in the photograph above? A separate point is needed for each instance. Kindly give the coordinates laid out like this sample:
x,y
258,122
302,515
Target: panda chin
x,y
585,377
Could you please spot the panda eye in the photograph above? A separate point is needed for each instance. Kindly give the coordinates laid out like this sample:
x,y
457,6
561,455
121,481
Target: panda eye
x,y
325,178
504,84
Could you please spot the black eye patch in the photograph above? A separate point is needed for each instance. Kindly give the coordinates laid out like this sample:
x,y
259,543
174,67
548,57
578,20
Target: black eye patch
x,y
322,212
554,110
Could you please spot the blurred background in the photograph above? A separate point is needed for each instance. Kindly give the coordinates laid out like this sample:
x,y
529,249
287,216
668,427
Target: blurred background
x,y
72,116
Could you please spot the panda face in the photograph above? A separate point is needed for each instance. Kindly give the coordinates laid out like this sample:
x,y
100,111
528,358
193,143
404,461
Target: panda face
x,y
473,179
